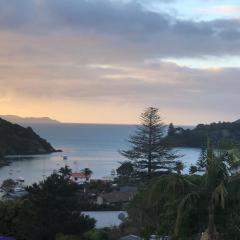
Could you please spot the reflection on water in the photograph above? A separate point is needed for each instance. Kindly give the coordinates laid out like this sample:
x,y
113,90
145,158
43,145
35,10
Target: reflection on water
x,y
36,168
106,218
92,146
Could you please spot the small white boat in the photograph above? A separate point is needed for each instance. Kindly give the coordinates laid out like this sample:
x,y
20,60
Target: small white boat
x,y
19,189
20,179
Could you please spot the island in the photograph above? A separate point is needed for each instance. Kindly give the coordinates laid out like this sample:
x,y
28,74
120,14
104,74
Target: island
x,y
197,137
18,140
29,120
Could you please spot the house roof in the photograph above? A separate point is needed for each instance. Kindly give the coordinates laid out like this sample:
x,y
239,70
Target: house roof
x,y
131,237
117,197
77,175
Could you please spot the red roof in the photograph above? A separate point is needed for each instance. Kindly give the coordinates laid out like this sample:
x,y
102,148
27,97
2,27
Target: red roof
x,y
78,175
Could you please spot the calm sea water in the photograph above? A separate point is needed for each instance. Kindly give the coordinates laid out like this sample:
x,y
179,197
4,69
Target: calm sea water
x,y
86,145
106,218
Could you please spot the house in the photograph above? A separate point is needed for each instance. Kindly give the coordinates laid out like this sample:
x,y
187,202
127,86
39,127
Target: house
x,y
114,198
79,178
131,237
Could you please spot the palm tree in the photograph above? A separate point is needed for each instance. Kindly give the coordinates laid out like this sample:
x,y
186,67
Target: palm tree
x,y
183,205
87,173
214,191
193,169
65,171
154,209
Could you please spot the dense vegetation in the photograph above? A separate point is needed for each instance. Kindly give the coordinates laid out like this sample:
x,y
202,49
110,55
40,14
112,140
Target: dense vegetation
x,y
205,206
15,139
186,206
197,137
51,210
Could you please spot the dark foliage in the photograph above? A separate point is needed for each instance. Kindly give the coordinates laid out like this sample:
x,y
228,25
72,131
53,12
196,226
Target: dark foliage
x,y
186,206
52,207
15,139
198,136
148,151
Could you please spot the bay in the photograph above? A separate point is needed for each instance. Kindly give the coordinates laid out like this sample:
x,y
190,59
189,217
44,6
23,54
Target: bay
x,y
93,146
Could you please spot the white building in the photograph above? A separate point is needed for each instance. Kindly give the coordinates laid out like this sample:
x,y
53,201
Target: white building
x,y
79,178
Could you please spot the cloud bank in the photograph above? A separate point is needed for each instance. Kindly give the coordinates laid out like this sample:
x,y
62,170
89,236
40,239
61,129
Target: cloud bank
x,y
111,53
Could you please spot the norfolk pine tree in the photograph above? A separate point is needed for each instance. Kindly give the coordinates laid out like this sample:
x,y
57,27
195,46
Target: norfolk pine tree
x,y
148,151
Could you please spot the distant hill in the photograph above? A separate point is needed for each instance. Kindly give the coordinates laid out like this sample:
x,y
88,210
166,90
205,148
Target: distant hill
x,y
197,137
15,139
237,121
27,120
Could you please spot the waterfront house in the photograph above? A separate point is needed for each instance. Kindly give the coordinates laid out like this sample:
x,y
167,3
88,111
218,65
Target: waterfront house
x,y
79,178
115,198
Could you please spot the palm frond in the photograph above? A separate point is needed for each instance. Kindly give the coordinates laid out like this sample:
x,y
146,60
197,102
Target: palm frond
x,y
219,195
186,204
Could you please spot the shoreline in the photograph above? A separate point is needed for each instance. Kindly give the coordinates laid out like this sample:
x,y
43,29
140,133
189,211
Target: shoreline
x,y
4,163
8,159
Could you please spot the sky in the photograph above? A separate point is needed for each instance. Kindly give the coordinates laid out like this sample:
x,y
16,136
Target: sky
x,y
105,61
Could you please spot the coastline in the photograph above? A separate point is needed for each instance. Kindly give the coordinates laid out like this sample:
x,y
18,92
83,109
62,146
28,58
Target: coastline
x,y
4,163
8,159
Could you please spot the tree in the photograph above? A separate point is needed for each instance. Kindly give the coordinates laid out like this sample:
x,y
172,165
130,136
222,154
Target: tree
x,y
87,173
214,191
179,167
154,210
61,236
193,169
183,206
126,169
8,185
65,171
171,130
148,150
96,234
125,172
202,161
52,206
8,215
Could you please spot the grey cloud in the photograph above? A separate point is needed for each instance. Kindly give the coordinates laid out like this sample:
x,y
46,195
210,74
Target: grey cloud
x,y
15,13
153,33
125,23
189,88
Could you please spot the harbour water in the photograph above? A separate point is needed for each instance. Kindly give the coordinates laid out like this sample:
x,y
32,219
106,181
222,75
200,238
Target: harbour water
x,y
106,218
93,146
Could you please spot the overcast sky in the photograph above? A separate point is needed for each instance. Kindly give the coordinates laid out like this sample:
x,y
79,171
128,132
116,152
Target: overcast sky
x,y
104,61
